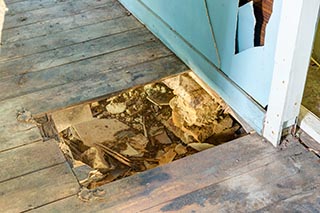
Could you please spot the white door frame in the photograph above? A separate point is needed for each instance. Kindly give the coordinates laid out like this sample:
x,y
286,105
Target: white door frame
x,y
297,27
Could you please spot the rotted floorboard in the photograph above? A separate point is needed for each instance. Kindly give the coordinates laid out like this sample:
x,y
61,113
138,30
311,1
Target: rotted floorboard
x,y
62,53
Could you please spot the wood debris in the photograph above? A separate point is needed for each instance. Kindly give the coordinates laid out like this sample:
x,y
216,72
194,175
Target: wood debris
x,y
63,119
200,146
140,129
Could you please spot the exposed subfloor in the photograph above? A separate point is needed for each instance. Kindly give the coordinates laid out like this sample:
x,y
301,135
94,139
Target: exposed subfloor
x,y
60,53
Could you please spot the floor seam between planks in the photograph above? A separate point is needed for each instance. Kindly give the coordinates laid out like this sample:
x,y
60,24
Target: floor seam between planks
x,y
92,7
77,60
84,79
104,6
66,197
75,44
48,50
6,150
42,6
37,170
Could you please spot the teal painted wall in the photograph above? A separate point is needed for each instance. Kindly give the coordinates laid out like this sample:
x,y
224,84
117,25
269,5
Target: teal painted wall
x,y
251,69
193,44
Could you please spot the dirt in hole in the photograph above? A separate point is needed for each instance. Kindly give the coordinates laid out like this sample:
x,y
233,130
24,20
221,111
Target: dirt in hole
x,y
142,128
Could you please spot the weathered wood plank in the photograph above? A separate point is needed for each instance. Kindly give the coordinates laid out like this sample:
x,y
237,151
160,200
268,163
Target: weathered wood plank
x,y
66,38
258,188
11,137
25,6
164,183
110,11
29,158
67,8
237,176
307,202
14,134
38,188
34,81
74,53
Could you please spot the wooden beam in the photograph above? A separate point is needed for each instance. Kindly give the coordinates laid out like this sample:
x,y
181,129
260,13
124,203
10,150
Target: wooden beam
x,y
292,54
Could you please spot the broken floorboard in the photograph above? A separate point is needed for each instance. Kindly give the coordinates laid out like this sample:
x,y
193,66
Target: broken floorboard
x,y
43,38
247,174
51,38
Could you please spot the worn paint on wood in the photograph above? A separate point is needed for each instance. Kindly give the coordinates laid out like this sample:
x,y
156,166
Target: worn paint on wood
x,y
119,60
20,161
66,38
37,188
106,12
74,53
68,8
212,181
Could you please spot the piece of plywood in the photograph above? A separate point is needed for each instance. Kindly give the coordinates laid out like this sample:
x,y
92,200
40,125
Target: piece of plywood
x,y
108,11
74,53
29,158
99,130
37,188
71,116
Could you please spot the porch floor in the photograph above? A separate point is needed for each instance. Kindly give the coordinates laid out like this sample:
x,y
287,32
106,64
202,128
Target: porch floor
x,y
58,53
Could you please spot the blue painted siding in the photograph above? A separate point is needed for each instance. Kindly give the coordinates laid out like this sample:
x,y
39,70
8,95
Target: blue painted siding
x,y
189,19
190,52
251,69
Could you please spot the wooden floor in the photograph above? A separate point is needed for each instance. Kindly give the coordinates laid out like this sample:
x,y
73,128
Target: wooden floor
x,y
58,53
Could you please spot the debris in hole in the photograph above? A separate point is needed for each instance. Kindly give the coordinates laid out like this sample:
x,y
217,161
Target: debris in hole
x,y
68,117
140,129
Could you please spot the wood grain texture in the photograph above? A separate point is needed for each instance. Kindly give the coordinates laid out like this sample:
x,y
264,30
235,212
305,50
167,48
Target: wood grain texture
x,y
69,37
29,158
227,178
35,189
267,184
14,134
25,6
35,81
74,53
307,202
66,8
162,184
108,11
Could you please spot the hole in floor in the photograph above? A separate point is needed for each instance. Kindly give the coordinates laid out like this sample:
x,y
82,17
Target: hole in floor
x,y
140,129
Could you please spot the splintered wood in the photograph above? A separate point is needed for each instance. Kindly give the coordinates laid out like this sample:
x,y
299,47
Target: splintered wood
x,y
141,129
